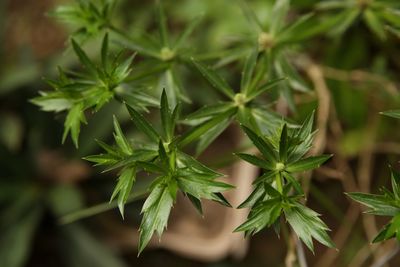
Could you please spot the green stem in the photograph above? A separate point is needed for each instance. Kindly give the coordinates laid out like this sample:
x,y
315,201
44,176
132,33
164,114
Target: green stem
x,y
278,181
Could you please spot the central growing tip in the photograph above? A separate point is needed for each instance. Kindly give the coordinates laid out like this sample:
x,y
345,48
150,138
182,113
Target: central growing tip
x,y
265,40
279,166
167,54
240,100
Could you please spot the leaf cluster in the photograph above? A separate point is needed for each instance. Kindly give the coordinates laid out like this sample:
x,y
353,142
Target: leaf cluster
x,y
163,157
386,204
90,88
277,191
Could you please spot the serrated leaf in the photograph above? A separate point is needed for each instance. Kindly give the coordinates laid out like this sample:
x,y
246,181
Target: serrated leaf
x,y
123,188
307,225
73,123
156,210
379,205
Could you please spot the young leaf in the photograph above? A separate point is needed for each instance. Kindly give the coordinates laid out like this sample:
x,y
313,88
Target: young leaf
x,y
166,117
73,123
392,113
155,211
124,187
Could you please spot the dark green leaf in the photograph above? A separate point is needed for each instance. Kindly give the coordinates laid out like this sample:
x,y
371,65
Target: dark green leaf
x,y
143,125
214,79
307,163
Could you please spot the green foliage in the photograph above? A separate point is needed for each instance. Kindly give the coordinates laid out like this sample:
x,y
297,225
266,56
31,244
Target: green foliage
x,y
91,88
88,17
386,204
282,157
376,15
164,158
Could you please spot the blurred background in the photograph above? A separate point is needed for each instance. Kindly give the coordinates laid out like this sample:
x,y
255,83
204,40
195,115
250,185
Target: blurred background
x,y
54,207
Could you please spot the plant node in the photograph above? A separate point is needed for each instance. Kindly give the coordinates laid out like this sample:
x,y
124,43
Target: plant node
x,y
167,54
279,166
240,100
265,41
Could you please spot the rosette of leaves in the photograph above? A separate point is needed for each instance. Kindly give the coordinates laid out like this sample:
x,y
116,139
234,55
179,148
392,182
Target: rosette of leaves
x,y
241,105
88,17
91,88
386,204
164,54
376,15
163,157
275,39
277,191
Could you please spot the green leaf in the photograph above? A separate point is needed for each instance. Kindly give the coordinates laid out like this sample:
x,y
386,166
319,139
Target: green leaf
x,y
123,188
73,123
283,144
307,225
248,71
392,113
344,19
84,59
209,137
294,182
104,52
200,185
196,132
156,210
257,194
143,125
374,23
209,111
166,117
255,161
186,33
379,205
162,24
120,138
264,87
214,79
265,148
264,215
395,179
279,12
307,163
